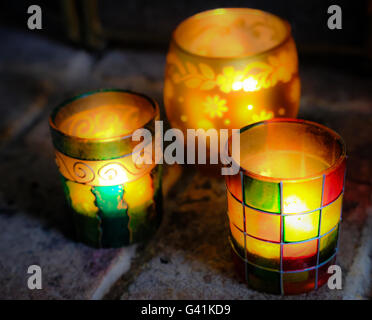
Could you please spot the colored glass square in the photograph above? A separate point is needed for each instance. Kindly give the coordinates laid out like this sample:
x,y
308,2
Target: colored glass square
x,y
239,263
328,245
113,213
302,196
262,225
334,183
299,256
299,282
235,211
237,237
263,280
301,227
263,253
262,195
331,215
323,274
234,185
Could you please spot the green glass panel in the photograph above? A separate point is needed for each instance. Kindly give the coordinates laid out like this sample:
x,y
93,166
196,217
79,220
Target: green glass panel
x,y
86,221
109,199
103,218
263,280
113,213
88,229
262,195
328,245
139,224
300,227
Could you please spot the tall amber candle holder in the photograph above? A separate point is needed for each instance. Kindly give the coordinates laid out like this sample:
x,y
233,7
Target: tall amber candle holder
x,y
227,68
115,200
284,206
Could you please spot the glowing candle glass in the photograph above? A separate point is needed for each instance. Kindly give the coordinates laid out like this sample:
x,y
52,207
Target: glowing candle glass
x,y
284,206
227,68
115,201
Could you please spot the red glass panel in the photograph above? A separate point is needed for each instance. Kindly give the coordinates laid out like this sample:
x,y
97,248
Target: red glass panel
x,y
323,274
299,282
234,185
299,256
333,184
235,211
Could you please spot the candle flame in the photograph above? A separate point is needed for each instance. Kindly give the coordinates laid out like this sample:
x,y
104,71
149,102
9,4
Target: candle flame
x,y
250,84
294,204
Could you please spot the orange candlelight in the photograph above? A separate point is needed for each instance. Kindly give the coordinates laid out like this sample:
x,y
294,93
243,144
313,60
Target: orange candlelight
x,y
227,68
115,200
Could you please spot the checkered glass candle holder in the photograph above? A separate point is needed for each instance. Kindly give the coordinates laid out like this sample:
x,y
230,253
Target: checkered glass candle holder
x,y
284,206
115,200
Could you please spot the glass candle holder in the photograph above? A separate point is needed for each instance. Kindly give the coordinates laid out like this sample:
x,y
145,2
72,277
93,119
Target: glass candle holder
x,y
284,206
227,68
115,200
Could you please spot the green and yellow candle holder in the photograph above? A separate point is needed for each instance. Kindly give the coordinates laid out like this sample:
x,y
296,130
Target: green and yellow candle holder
x,y
285,204
115,200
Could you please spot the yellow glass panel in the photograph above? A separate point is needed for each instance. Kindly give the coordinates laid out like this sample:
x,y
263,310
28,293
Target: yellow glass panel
x,y
82,198
331,215
263,253
263,249
262,225
302,196
301,227
300,250
297,276
235,211
237,235
138,192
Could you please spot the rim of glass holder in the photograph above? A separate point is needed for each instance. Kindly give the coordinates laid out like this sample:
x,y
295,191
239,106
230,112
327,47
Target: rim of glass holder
x,y
66,102
221,11
324,172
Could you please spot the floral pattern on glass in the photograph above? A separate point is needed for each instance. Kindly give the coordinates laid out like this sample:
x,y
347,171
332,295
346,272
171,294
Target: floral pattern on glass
x,y
215,106
255,76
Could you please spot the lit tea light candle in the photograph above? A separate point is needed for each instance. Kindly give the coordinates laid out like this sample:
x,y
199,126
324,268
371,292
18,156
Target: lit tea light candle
x,y
284,206
223,60
115,200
